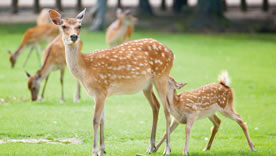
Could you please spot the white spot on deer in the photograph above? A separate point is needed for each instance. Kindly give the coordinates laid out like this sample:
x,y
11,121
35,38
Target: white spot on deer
x,y
149,47
134,49
134,62
146,53
163,55
166,49
154,47
113,59
138,68
139,48
149,70
102,76
141,64
160,47
150,62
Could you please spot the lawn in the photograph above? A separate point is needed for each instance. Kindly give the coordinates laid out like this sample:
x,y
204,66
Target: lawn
x,y
199,58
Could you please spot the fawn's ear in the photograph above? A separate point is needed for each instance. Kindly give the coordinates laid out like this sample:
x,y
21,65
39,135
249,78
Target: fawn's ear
x,y
55,17
27,74
180,85
81,15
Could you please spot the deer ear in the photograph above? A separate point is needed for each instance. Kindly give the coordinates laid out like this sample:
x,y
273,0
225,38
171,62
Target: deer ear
x,y
180,85
55,17
81,15
128,12
27,74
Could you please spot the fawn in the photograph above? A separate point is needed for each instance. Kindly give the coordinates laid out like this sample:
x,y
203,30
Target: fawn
x,y
53,59
120,30
125,69
189,106
32,38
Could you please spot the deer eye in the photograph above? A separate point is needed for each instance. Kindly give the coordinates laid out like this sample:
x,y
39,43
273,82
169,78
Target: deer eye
x,y
79,27
64,27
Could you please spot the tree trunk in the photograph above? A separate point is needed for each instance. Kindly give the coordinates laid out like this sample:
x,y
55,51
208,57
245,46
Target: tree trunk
x,y
79,6
119,4
59,5
163,6
36,6
243,5
145,8
210,7
99,22
14,6
265,5
224,5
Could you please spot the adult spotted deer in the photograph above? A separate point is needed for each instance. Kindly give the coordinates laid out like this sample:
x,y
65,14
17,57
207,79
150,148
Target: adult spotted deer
x,y
120,30
125,69
53,59
32,38
205,101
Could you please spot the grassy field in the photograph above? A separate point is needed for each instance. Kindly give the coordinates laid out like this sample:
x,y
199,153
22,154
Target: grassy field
x,y
250,60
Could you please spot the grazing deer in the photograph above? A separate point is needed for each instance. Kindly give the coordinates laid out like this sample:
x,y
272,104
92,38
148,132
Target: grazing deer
x,y
189,106
43,17
32,38
53,59
125,69
120,30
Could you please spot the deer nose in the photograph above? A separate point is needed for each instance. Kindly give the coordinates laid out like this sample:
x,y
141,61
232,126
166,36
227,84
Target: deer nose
x,y
74,37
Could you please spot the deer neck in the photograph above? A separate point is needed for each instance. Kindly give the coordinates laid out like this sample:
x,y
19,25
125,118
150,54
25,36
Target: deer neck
x,y
74,59
172,97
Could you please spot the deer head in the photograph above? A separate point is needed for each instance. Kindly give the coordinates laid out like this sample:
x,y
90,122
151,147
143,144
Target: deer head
x,y
70,27
126,16
175,85
33,85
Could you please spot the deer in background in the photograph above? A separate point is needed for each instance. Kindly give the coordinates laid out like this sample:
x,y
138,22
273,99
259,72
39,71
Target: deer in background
x,y
189,106
32,38
53,59
125,69
120,30
43,17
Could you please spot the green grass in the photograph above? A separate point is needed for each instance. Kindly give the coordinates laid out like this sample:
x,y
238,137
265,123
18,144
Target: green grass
x,y
249,58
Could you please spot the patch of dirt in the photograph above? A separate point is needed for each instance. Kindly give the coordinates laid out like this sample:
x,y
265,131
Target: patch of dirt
x,y
43,140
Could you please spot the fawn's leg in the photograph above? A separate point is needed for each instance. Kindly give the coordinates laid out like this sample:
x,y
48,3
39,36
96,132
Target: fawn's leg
x,y
161,84
174,124
235,116
44,87
216,122
155,106
189,125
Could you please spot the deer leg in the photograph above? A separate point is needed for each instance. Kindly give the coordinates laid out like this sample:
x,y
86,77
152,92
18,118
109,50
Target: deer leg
x,y
174,124
44,87
155,106
28,56
189,125
160,84
100,100
102,146
216,122
37,47
77,94
62,86
236,117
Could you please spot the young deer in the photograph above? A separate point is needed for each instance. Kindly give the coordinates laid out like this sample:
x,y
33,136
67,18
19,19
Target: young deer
x,y
125,69
120,30
43,17
32,38
53,59
205,101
